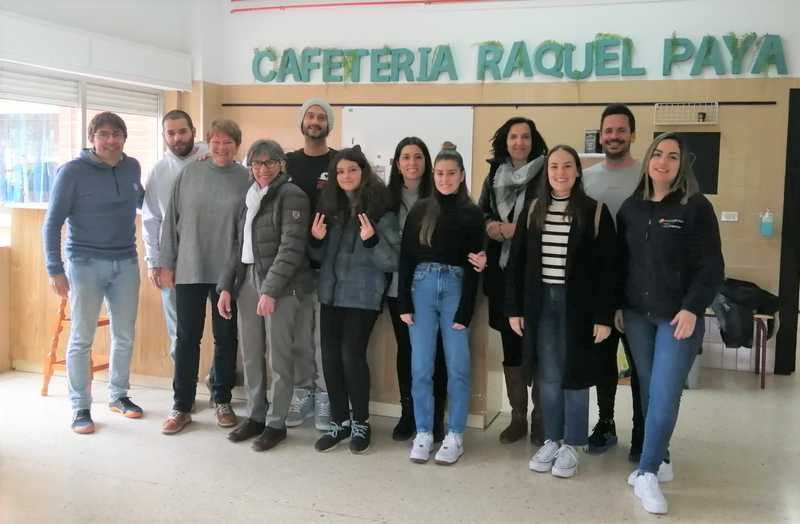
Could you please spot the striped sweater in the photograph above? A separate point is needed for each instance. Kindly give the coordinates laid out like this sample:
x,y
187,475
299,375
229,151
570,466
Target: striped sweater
x,y
555,236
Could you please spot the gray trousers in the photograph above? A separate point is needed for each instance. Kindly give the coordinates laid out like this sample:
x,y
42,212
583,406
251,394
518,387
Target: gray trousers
x,y
280,338
308,369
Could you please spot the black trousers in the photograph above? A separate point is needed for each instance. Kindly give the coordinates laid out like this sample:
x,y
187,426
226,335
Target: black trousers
x,y
345,337
404,358
191,312
607,389
512,347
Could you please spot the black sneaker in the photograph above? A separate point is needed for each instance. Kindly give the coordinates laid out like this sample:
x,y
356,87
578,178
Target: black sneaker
x,y
331,439
126,407
361,433
82,422
604,435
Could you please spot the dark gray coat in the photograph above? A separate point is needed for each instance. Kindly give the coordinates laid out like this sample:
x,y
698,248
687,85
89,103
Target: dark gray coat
x,y
351,273
280,236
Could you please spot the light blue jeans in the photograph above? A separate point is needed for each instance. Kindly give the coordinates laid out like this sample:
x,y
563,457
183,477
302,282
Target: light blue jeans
x,y
436,292
91,281
662,364
566,411
170,306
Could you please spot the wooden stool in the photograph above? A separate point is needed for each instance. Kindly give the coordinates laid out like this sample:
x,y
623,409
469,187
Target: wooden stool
x,y
51,360
760,345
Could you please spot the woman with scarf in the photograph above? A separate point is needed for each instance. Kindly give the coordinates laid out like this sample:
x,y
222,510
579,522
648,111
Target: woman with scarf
x,y
518,152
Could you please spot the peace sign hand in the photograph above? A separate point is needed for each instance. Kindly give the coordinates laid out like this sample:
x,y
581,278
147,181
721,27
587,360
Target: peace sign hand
x,y
318,227
367,231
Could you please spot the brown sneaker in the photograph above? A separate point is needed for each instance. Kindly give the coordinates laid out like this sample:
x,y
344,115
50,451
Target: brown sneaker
x,y
226,418
176,421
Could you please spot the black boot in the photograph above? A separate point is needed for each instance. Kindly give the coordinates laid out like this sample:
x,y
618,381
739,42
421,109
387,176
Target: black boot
x,y
537,422
517,392
406,426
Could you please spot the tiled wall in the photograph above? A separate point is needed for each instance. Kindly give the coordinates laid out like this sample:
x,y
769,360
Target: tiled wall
x,y
716,355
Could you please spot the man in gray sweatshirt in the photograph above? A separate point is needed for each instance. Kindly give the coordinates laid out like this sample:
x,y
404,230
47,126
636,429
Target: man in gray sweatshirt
x,y
179,135
97,195
612,181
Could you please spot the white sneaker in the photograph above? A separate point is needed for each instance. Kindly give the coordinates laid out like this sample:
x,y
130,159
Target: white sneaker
x,y
421,448
646,487
301,407
566,463
322,411
542,460
665,473
451,450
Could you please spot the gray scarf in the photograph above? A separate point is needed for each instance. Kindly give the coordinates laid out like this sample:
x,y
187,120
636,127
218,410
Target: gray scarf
x,y
509,191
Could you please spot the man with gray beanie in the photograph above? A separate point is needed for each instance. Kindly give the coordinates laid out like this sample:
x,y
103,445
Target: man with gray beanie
x,y
308,168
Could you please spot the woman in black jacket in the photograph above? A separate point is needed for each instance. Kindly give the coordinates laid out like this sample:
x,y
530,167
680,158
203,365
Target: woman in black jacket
x,y
673,267
518,152
560,290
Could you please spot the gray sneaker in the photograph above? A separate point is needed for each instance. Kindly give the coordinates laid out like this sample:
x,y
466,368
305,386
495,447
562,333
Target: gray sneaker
x,y
301,407
322,411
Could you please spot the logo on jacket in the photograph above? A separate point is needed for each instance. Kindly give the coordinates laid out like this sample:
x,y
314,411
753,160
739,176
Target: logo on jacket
x,y
671,223
296,216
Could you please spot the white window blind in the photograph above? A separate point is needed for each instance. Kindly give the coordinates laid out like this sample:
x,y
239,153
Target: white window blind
x,y
39,89
104,98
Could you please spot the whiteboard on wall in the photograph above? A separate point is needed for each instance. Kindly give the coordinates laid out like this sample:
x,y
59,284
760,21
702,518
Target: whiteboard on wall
x,y
378,129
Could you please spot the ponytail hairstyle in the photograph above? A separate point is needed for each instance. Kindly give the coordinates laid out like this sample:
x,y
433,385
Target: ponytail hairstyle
x,y
396,178
371,197
685,181
433,207
578,201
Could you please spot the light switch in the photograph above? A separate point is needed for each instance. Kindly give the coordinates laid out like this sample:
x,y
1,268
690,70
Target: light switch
x,y
729,216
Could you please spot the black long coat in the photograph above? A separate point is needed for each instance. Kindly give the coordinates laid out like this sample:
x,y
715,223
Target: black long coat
x,y
590,280
493,276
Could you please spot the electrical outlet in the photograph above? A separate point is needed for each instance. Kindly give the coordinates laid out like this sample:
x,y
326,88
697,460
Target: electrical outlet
x,y
729,216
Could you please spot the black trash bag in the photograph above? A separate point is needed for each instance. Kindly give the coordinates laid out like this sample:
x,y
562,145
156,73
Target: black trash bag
x,y
734,307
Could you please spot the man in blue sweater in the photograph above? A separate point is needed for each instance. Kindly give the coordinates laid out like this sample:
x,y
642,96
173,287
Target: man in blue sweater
x,y
97,195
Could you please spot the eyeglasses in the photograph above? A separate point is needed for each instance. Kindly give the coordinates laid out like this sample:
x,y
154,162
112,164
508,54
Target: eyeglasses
x,y
255,164
105,135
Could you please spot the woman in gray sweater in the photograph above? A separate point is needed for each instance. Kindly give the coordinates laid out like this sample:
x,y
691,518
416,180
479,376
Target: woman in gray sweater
x,y
357,241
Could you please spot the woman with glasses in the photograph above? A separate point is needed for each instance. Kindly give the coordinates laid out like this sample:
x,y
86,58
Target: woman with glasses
x,y
268,275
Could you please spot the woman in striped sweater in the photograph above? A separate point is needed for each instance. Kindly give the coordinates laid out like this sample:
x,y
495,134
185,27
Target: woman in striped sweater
x,y
563,251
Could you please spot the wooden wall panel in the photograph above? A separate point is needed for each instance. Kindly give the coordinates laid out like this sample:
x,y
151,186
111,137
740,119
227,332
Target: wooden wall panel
x,y
5,308
33,310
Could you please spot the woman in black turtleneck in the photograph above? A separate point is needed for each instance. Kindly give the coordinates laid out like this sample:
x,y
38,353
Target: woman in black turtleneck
x,y
437,288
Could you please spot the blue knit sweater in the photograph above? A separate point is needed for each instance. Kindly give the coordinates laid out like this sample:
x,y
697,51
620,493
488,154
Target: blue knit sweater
x,y
98,203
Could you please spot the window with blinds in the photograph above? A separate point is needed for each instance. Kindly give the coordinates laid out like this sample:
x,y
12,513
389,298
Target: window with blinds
x,y
41,127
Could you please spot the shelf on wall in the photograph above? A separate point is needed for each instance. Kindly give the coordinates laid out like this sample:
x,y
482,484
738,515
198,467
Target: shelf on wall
x,y
686,113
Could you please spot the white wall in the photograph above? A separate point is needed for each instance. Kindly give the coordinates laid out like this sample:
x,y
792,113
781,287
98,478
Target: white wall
x,y
221,44
464,26
142,42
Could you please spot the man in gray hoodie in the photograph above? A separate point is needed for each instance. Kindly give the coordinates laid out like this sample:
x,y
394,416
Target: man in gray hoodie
x,y
179,135
97,195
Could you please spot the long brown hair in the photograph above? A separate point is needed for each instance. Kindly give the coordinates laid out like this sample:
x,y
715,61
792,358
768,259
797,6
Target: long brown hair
x,y
371,197
544,191
685,181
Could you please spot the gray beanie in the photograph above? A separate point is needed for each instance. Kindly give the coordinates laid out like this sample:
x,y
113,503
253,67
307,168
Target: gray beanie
x,y
321,103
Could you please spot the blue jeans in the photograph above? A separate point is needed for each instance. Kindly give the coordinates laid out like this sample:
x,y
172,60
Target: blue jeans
x,y
662,364
91,281
436,292
170,306
566,411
